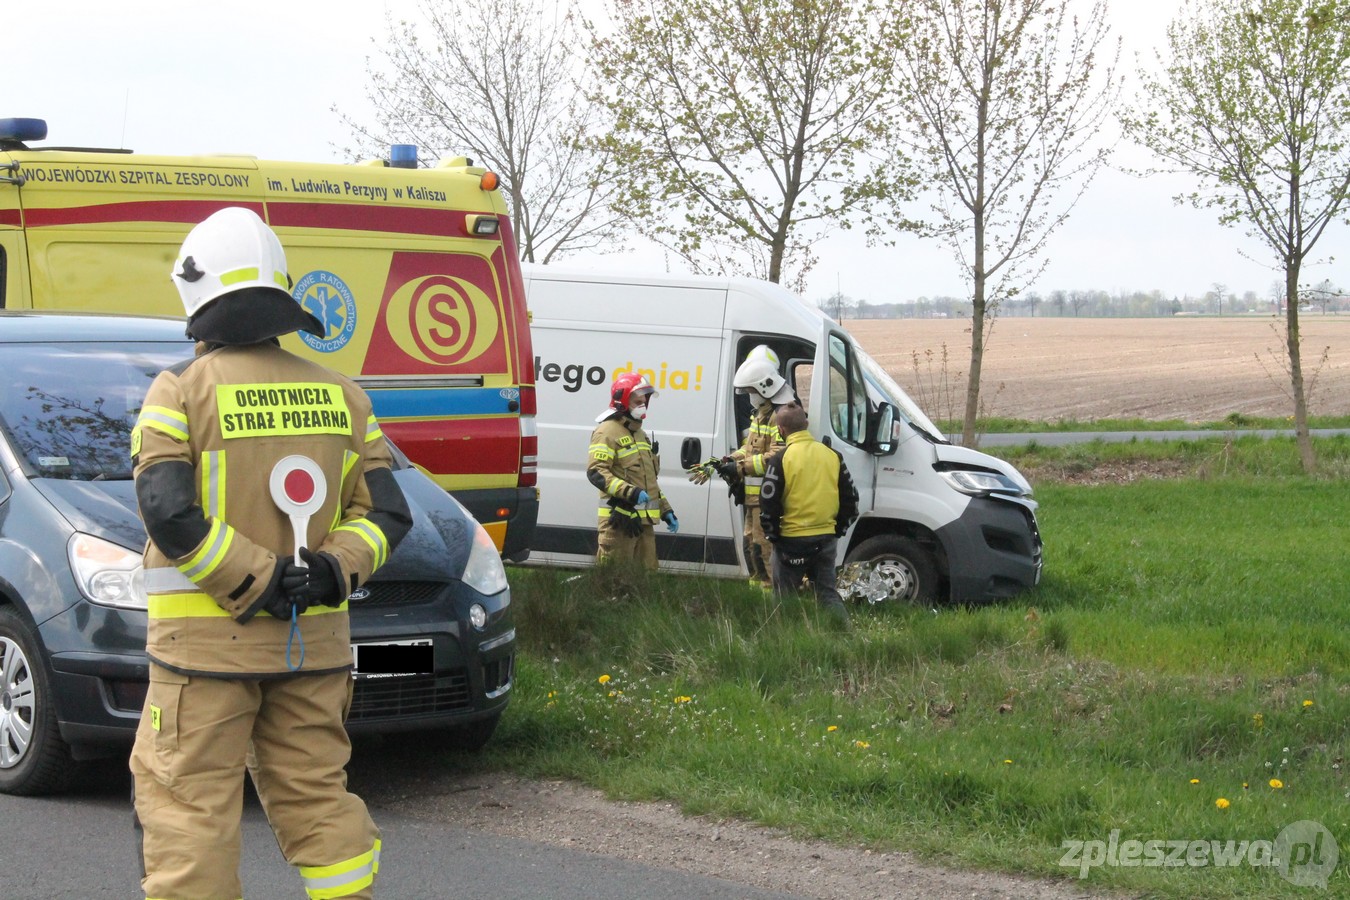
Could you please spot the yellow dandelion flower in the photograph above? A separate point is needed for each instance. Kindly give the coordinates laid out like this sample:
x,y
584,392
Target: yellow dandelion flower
x,y
1195,781
683,699
603,679
833,728
1007,762
1259,721
1307,703
552,694
1276,783
1222,803
1244,785
861,745
613,694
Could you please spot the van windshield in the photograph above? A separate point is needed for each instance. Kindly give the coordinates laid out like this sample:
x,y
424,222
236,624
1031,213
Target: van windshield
x,y
68,408
884,385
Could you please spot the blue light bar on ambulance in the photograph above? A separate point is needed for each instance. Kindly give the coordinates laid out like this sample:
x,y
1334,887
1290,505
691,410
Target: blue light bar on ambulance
x,y
403,156
23,129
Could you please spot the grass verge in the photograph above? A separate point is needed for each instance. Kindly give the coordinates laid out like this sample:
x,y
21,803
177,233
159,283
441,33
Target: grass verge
x,y
1188,646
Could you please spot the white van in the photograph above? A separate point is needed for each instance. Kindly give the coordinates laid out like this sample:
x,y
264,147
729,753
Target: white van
x,y
938,522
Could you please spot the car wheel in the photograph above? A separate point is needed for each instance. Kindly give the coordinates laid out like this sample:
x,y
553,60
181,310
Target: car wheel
x,y
889,568
33,758
472,737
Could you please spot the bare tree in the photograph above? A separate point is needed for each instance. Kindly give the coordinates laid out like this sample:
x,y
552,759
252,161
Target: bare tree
x,y
1008,98
837,304
504,81
747,128
1254,100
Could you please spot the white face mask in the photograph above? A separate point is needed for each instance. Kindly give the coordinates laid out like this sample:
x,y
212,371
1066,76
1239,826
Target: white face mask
x,y
638,412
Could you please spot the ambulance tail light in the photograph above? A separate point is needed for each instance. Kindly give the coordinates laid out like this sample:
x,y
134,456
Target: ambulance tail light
x,y
529,440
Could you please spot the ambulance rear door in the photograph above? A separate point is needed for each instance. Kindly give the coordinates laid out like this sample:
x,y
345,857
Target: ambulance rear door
x,y
421,312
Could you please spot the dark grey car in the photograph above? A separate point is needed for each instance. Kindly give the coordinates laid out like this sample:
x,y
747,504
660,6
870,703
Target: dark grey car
x,y
73,670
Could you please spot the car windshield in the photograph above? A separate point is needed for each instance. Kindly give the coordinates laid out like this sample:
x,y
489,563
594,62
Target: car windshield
x,y
885,385
68,408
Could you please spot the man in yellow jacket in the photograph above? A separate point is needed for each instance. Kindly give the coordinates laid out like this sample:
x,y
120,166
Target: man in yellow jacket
x,y
249,648
623,465
807,503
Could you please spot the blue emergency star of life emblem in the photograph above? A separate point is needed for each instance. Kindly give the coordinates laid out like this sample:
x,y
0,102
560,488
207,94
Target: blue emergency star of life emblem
x,y
328,299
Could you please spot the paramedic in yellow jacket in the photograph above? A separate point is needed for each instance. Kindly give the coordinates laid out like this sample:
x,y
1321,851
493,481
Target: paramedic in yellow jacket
x,y
250,650
624,466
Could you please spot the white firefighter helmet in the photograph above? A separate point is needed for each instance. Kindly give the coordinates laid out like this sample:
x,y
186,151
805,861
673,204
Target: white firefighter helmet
x,y
758,376
232,253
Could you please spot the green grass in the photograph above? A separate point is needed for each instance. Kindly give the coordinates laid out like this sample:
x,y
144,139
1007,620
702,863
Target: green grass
x,y
1186,629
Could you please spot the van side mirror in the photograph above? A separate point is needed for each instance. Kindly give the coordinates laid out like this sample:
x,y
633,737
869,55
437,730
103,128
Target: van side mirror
x,y
691,452
885,425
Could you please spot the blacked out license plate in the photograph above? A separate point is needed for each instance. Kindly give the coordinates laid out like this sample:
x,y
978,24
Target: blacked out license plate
x,y
393,658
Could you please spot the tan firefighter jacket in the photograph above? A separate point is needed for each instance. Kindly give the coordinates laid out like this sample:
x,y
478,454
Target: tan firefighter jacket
x,y
762,440
230,414
622,463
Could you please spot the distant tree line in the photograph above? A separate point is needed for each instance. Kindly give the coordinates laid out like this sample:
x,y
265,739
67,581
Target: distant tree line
x,y
1324,298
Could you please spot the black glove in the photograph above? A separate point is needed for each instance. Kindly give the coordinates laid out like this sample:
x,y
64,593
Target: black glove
x,y
320,583
276,601
727,468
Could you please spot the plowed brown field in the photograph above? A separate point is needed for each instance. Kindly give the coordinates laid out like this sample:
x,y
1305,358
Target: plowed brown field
x,y
1046,369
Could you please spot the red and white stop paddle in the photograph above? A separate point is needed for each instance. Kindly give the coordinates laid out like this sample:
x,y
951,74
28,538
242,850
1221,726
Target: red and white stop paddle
x,y
298,490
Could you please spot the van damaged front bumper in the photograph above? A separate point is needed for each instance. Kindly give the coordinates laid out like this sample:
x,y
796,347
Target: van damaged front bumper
x,y
993,548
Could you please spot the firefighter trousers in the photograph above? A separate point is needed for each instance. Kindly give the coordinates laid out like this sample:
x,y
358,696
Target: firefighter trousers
x,y
616,544
197,736
758,550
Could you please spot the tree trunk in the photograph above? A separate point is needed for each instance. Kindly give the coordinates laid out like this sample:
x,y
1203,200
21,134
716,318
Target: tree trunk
x,y
968,438
1301,435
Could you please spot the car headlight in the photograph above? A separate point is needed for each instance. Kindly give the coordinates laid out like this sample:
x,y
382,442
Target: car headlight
x,y
106,573
978,484
484,571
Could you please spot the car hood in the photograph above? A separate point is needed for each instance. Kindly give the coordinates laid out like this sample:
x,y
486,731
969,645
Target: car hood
x,y
436,548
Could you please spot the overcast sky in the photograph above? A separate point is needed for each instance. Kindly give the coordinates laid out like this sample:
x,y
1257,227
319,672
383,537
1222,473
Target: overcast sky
x,y
260,78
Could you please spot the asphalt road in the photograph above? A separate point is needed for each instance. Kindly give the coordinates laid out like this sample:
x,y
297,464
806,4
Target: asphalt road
x,y
82,847
1065,438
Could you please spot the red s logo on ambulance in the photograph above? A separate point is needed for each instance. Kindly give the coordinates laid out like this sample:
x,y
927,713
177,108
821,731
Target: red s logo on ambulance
x,y
438,313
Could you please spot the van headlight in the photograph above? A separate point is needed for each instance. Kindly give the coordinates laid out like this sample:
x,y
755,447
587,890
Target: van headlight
x,y
484,571
980,484
107,574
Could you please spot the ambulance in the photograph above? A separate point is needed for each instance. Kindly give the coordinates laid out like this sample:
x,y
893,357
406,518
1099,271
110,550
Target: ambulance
x,y
939,522
413,271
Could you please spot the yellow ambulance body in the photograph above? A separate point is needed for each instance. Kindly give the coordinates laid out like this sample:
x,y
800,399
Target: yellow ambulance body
x,y
414,272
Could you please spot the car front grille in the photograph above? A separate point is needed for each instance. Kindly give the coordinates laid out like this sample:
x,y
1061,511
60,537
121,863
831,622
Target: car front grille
x,y
398,593
403,696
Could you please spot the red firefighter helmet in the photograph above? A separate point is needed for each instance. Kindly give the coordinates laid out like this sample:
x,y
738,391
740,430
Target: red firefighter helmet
x,y
628,389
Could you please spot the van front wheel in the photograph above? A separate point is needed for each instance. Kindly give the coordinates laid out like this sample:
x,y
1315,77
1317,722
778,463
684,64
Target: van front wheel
x,y
889,568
